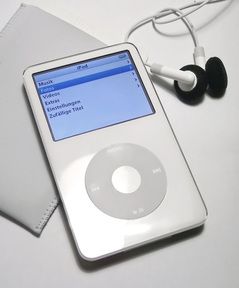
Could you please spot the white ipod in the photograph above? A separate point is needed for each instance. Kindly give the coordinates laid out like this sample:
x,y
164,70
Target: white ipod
x,y
120,172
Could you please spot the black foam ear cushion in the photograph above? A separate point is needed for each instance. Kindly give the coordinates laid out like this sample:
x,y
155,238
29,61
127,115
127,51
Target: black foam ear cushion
x,y
217,77
196,94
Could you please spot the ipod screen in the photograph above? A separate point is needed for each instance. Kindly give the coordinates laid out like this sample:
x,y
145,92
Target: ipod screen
x,y
92,94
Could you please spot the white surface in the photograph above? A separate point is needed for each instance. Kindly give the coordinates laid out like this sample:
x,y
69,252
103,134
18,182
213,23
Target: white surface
x,y
208,134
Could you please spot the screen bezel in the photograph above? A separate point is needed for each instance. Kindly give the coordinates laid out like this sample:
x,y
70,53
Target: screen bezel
x,y
82,62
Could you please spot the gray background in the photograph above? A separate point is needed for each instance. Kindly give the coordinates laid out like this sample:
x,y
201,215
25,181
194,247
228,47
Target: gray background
x,y
208,134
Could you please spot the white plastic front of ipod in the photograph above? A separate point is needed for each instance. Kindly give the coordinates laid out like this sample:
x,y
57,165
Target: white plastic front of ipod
x,y
121,175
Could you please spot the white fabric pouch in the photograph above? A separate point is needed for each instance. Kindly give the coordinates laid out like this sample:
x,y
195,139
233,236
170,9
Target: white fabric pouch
x,y
28,194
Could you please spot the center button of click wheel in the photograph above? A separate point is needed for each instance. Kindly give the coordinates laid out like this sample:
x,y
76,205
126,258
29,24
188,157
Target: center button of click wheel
x,y
126,179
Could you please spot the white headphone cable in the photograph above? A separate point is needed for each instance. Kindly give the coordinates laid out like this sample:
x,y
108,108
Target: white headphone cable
x,y
199,54
166,12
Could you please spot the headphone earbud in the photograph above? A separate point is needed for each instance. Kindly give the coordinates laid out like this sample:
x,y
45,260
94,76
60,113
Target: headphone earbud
x,y
217,77
192,81
196,93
